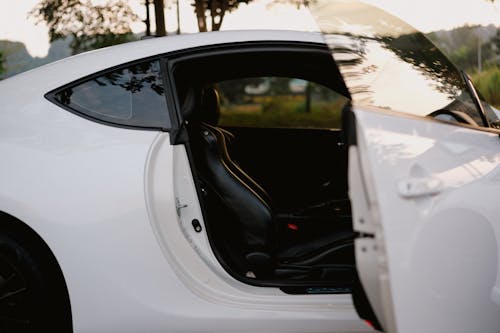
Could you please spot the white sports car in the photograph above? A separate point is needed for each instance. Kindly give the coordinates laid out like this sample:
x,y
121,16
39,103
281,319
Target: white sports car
x,y
251,181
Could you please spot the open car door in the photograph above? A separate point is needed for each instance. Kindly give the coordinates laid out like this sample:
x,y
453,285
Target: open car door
x,y
425,202
424,193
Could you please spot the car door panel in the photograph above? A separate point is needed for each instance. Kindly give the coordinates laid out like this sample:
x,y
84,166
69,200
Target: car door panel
x,y
431,222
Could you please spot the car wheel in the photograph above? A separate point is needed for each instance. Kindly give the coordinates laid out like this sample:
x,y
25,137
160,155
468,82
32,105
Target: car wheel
x,y
29,300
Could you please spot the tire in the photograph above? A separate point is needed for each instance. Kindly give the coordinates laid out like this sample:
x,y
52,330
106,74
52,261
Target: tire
x,y
32,298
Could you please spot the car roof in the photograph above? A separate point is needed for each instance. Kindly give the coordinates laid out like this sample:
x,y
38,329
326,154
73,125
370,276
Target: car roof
x,y
56,74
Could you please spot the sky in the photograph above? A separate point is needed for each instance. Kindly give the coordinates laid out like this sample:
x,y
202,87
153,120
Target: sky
x,y
425,15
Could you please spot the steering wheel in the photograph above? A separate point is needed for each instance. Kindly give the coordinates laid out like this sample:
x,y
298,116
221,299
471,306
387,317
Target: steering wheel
x,y
453,117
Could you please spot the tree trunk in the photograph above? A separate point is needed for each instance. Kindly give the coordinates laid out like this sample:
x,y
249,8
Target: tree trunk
x,y
200,9
160,18
217,13
178,19
308,97
147,21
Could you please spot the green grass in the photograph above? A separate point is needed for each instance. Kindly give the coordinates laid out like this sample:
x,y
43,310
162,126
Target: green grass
x,y
283,111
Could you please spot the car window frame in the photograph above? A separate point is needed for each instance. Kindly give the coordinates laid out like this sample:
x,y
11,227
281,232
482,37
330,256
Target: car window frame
x,y
167,63
178,132
475,98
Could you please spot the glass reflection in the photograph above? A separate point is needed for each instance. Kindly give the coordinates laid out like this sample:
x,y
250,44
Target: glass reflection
x,y
131,96
388,64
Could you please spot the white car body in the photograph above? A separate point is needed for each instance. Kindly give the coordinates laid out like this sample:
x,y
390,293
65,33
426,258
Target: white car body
x,y
76,210
114,205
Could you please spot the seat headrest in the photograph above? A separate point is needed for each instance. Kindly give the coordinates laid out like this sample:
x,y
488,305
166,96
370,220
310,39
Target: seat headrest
x,y
201,105
210,106
192,102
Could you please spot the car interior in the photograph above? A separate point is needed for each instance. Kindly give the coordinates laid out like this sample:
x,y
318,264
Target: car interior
x,y
274,198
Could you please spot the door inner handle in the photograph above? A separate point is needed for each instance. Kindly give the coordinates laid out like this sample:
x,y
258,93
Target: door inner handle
x,y
419,187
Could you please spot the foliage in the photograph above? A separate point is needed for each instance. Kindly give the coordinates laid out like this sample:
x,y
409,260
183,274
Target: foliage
x,y
461,45
216,9
496,40
234,90
279,102
92,42
416,49
466,56
2,68
283,111
488,83
17,58
91,26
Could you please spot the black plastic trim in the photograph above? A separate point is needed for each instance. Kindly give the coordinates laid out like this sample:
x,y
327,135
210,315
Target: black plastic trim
x,y
363,307
349,125
172,104
178,132
475,98
247,47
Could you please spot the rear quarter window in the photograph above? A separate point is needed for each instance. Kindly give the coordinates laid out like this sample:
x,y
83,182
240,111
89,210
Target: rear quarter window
x,y
131,96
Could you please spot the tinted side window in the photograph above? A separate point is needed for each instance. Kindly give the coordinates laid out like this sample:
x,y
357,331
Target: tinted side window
x,y
133,96
270,102
492,114
388,64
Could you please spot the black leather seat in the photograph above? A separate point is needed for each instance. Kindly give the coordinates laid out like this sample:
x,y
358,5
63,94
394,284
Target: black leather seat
x,y
208,117
239,210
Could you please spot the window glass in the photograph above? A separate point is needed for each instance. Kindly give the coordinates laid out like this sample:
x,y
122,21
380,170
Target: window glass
x,y
132,96
388,64
492,114
279,102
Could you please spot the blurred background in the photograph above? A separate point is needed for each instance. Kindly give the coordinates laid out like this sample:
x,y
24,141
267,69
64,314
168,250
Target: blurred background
x,y
36,32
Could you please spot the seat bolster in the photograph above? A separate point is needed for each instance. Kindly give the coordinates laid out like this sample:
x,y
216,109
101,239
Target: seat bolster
x,y
224,138
254,215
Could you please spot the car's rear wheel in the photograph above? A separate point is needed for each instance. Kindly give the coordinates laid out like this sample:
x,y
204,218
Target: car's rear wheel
x,y
30,298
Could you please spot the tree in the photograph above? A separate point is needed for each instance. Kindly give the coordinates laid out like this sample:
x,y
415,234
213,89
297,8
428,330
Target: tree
x,y
2,69
462,44
427,59
496,40
216,9
97,26
89,26
160,17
